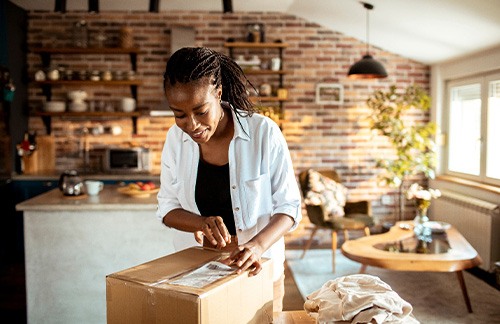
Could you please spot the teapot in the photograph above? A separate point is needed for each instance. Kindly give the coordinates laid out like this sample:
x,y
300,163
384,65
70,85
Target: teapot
x,y
70,183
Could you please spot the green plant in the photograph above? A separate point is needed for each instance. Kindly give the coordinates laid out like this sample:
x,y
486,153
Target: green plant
x,y
413,143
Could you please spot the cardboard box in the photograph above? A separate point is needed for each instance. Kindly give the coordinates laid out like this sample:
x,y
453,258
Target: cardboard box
x,y
145,293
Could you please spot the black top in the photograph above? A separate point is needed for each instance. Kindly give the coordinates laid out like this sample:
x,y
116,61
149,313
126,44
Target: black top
x,y
212,193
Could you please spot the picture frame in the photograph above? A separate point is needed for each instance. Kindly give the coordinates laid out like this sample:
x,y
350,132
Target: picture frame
x,y
329,93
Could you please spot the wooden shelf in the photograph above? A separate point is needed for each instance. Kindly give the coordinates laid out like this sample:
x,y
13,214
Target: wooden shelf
x,y
88,50
254,45
90,82
265,72
88,114
266,99
276,46
47,116
46,55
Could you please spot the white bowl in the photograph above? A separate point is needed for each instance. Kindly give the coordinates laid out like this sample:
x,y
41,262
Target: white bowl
x,y
77,95
127,104
77,106
54,106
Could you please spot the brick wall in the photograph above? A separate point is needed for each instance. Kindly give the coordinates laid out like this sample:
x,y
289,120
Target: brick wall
x,y
319,136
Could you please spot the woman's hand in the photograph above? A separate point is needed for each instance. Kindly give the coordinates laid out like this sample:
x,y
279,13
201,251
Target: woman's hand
x,y
246,256
198,236
215,231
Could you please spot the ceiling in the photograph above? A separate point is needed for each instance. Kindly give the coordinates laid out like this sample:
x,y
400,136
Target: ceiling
x,y
427,31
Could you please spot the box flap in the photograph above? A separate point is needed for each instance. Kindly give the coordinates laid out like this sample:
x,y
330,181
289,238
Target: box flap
x,y
164,268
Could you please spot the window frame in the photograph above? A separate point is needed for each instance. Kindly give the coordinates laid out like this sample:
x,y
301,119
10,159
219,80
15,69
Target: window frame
x,y
484,82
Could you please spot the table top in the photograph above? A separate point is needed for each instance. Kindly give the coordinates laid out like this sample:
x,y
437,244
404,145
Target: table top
x,y
461,256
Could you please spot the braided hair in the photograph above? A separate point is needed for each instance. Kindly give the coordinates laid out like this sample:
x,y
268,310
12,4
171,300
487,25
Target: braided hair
x,y
192,64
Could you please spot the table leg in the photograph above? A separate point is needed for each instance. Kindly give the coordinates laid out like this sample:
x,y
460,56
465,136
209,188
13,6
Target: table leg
x,y
362,270
460,277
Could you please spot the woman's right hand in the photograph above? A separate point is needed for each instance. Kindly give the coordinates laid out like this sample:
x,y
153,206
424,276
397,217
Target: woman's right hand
x,y
215,231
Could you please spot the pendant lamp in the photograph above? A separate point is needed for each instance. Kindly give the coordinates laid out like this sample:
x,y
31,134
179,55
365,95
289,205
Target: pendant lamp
x,y
367,67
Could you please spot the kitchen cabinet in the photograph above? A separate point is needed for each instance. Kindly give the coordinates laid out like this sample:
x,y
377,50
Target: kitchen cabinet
x,y
26,189
263,73
47,55
71,244
13,193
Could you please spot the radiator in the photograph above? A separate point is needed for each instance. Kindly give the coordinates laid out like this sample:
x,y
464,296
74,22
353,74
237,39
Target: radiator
x,y
477,220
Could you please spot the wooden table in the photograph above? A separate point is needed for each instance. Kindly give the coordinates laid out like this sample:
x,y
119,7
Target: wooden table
x,y
461,256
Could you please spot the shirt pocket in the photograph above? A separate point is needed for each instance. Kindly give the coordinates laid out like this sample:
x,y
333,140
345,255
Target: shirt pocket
x,y
259,200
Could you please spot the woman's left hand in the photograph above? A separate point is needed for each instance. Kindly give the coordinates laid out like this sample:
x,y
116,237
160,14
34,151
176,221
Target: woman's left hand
x,y
244,256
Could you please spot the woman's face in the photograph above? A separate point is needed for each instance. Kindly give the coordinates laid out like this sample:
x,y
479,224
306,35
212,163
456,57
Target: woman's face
x,y
196,107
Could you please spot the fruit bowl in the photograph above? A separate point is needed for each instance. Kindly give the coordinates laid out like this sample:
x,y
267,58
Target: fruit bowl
x,y
139,189
137,193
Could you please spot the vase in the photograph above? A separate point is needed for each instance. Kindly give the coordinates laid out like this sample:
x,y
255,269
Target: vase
x,y
419,227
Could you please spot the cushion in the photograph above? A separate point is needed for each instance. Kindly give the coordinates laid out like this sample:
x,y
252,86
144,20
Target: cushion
x,y
327,192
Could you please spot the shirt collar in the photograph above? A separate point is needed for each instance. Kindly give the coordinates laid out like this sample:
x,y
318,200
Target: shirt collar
x,y
241,128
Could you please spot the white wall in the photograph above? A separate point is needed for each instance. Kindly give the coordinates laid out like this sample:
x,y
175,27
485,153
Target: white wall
x,y
482,62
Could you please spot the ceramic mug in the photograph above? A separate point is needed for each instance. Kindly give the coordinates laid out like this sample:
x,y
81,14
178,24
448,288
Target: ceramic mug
x,y
94,187
275,64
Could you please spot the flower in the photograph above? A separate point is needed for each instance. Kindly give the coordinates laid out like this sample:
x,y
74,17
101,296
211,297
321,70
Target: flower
x,y
422,196
416,191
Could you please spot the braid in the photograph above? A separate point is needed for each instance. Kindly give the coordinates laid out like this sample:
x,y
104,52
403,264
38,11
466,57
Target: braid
x,y
192,64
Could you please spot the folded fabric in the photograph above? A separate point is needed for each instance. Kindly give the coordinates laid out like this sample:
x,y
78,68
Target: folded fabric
x,y
358,298
326,192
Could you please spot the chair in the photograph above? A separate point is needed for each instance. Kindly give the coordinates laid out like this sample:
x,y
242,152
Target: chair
x,y
357,215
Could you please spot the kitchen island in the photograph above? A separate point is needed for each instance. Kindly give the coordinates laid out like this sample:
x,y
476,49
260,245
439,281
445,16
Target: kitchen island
x,y
72,243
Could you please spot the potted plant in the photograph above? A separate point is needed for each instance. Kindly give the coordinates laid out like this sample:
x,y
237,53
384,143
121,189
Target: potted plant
x,y
413,143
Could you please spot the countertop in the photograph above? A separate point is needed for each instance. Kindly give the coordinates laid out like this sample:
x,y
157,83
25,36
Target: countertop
x,y
108,199
96,176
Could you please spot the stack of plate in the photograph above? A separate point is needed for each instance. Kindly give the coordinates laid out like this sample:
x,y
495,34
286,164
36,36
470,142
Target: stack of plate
x,y
54,106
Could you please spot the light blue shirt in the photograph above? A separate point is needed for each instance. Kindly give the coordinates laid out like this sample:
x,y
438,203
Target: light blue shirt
x,y
262,180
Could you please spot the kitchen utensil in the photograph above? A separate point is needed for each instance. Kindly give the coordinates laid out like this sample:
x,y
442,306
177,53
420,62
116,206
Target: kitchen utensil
x,y
70,183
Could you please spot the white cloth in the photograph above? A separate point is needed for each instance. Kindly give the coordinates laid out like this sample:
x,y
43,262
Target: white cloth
x,y
358,298
261,174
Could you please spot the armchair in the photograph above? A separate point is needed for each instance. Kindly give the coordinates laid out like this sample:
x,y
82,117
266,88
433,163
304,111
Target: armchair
x,y
357,215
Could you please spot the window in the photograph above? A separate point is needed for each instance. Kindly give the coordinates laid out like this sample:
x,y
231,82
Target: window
x,y
473,127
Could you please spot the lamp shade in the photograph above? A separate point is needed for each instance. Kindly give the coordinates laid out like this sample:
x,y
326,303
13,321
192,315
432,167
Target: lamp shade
x,y
367,68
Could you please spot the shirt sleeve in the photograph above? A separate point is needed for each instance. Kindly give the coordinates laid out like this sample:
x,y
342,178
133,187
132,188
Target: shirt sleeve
x,y
167,197
285,191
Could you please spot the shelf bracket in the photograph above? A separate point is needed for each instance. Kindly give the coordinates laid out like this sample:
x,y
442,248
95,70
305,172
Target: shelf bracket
x,y
45,59
133,61
133,90
47,121
134,125
47,91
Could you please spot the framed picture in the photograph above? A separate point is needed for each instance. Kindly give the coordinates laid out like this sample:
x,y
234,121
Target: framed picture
x,y
329,93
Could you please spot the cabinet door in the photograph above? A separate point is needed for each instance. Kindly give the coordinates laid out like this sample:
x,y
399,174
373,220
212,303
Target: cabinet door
x,y
31,188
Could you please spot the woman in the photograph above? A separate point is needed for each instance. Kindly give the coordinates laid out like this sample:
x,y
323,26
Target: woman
x,y
226,173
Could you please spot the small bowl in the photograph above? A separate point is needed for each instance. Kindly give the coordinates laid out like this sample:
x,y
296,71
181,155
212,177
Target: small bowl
x,y
77,95
77,106
54,106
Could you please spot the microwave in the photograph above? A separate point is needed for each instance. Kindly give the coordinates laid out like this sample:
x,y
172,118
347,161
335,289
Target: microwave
x,y
133,159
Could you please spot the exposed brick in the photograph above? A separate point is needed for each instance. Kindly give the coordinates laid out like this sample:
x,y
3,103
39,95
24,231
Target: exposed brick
x,y
319,136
